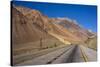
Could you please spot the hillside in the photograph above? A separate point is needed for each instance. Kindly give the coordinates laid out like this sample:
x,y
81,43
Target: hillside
x,y
28,36
92,42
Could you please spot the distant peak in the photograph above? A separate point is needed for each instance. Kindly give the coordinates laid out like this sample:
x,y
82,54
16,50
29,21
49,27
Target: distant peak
x,y
89,30
64,18
75,22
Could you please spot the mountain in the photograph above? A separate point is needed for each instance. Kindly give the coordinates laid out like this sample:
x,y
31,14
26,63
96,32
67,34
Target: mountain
x,y
74,28
31,26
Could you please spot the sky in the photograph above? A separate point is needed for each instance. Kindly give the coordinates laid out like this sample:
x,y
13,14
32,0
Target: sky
x,y
85,15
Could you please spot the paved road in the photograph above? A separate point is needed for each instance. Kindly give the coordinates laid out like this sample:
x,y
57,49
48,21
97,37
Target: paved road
x,y
73,53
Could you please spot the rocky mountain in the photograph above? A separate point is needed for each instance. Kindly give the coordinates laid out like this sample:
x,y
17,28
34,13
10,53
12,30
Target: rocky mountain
x,y
30,25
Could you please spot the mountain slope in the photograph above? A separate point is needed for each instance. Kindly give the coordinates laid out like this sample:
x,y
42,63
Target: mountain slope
x,y
28,35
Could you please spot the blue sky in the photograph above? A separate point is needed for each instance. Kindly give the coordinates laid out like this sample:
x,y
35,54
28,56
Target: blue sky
x,y
85,15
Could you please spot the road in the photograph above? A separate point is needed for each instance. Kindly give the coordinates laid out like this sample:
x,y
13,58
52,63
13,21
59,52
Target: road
x,y
68,54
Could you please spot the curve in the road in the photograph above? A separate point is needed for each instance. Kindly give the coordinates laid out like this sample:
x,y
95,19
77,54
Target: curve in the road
x,y
71,56
74,49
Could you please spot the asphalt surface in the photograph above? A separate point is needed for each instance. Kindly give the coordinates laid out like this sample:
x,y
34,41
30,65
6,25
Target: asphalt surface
x,y
69,54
